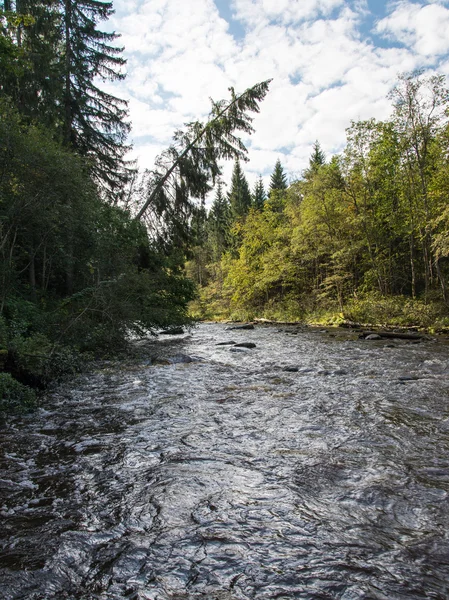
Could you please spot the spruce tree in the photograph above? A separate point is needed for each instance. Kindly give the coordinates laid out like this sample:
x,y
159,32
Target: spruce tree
x,y
239,196
62,58
259,194
188,169
29,31
317,158
278,178
219,223
94,122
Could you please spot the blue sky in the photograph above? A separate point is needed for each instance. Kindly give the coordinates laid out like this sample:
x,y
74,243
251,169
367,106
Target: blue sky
x,y
332,61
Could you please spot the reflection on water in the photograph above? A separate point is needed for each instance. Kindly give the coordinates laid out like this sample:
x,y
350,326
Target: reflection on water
x,y
232,478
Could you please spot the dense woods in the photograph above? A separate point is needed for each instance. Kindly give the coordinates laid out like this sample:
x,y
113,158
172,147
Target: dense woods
x,y
362,236
90,252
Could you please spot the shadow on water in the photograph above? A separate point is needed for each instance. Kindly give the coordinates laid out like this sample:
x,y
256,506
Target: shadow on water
x,y
308,467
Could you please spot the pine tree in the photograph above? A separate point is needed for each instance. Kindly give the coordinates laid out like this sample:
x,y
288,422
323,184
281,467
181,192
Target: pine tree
x,y
278,178
94,121
219,223
239,196
188,169
61,57
317,158
40,83
259,194
29,32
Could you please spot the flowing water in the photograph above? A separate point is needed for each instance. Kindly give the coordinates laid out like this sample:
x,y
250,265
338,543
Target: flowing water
x,y
229,477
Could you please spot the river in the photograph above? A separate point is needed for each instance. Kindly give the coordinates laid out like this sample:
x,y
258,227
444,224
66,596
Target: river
x,y
232,478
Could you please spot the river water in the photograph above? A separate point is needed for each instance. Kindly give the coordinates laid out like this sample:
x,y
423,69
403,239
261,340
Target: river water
x,y
230,477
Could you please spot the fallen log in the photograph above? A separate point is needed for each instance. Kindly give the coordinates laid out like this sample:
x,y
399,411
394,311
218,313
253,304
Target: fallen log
x,y
398,335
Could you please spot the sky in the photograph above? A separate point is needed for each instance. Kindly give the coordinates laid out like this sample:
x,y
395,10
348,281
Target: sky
x,y
331,62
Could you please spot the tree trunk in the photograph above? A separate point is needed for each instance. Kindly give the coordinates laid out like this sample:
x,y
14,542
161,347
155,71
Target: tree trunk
x,y
32,272
441,280
68,118
412,265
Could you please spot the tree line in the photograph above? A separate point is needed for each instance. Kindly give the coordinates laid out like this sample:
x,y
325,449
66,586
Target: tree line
x,y
362,236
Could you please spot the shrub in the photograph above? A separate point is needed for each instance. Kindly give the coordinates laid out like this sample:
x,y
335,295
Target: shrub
x,y
37,361
15,397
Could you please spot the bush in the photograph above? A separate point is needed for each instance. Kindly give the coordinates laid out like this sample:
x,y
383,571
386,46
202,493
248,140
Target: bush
x,y
15,397
394,310
37,361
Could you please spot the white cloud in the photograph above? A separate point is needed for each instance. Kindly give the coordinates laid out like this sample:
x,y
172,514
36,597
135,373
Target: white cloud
x,y
286,11
424,28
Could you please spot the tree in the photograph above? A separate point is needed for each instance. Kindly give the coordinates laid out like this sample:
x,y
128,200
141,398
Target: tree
x,y
420,111
53,78
317,159
94,122
219,224
278,178
239,195
259,194
188,169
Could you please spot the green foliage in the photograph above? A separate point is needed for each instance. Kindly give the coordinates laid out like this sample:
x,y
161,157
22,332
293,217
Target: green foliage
x,y
259,195
36,360
94,121
364,234
189,168
239,195
15,397
54,57
76,274
219,224
278,178
3,334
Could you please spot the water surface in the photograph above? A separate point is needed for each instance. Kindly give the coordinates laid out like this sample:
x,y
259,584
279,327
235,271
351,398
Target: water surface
x,y
231,478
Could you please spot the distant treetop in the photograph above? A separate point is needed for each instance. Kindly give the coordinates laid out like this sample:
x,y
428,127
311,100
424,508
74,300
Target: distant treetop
x,y
278,177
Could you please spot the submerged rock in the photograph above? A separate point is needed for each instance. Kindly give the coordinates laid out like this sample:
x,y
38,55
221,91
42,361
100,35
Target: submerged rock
x,y
175,360
291,369
373,336
245,345
173,331
231,343
246,326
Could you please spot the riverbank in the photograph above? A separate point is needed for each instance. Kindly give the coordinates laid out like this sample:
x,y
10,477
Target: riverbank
x,y
370,312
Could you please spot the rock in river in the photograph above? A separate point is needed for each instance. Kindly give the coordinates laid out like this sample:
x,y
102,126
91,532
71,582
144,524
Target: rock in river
x,y
172,331
245,345
246,326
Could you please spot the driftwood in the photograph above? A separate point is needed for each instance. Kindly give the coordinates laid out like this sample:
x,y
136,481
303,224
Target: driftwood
x,y
394,334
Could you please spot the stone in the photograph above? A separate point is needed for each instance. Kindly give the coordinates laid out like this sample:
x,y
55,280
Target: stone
x,y
291,369
245,345
246,326
231,343
172,331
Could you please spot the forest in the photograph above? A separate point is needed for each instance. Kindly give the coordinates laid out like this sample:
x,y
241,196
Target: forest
x,y
92,252
361,237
